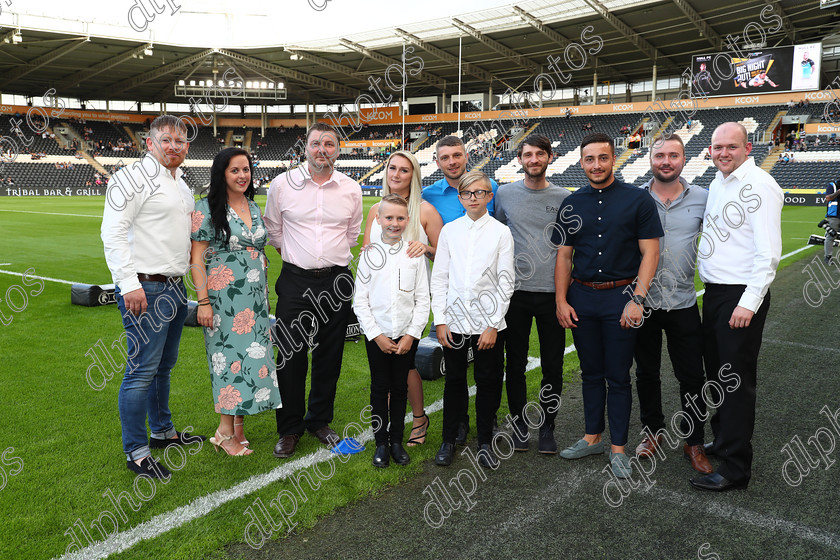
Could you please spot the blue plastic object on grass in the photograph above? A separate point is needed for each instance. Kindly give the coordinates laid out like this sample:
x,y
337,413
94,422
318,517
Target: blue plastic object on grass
x,y
348,446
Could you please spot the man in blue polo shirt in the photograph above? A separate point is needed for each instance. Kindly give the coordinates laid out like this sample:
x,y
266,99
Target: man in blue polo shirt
x,y
451,158
610,232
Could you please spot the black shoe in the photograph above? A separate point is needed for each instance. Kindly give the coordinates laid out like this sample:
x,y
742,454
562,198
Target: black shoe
x,y
520,435
149,467
547,443
181,438
444,454
486,457
716,483
709,448
463,432
381,458
399,454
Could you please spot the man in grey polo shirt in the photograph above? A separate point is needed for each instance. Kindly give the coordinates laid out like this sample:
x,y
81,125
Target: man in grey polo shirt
x,y
529,207
671,306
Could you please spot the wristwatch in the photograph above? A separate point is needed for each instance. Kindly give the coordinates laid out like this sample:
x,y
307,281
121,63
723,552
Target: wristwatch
x,y
639,299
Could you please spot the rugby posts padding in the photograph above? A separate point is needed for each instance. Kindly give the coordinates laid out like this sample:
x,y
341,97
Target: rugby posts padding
x,y
90,295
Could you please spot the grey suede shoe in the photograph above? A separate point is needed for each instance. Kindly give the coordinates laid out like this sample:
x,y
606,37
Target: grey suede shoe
x,y
582,449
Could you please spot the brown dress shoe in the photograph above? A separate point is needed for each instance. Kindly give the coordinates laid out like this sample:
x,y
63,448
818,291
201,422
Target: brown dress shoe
x,y
648,446
326,435
696,455
286,446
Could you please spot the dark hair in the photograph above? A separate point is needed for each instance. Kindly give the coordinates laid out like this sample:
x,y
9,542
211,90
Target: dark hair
x,y
597,138
538,141
667,138
321,127
217,194
448,141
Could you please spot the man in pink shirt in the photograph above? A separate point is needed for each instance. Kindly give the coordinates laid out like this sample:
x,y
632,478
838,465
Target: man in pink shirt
x,y
313,217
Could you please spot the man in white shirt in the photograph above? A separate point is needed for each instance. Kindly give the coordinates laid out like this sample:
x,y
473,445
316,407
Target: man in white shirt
x,y
739,251
146,233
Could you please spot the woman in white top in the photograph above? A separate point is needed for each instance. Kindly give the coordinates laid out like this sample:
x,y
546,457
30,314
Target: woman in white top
x,y
402,177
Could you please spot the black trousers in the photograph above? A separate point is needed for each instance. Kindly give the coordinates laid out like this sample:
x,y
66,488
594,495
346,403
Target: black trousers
x,y
488,371
388,374
684,334
524,308
311,311
731,357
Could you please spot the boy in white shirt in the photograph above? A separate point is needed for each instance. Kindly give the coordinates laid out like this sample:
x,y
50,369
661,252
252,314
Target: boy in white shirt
x,y
472,282
392,305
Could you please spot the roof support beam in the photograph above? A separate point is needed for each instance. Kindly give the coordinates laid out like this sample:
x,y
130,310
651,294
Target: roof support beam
x,y
430,79
787,26
318,83
157,72
508,53
321,61
710,34
629,34
562,41
78,78
469,68
41,61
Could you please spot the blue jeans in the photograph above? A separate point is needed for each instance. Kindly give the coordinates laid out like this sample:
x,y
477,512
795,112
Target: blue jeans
x,y
152,344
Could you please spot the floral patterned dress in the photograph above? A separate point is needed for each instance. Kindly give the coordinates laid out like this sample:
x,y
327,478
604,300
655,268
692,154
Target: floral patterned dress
x,y
239,351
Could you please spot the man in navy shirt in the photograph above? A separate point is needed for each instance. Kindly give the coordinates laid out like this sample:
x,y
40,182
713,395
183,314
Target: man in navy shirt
x,y
610,232
451,158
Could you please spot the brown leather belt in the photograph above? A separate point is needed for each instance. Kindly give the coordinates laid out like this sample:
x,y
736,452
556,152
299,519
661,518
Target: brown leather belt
x,y
157,278
606,285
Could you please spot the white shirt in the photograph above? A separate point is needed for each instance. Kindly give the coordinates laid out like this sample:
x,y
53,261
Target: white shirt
x,y
473,275
392,292
742,232
146,223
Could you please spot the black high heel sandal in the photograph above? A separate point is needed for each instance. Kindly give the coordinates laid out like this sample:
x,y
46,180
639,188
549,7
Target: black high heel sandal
x,y
420,438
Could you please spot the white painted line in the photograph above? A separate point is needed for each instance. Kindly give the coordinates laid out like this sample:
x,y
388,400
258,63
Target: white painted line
x,y
203,505
41,277
741,515
50,213
805,248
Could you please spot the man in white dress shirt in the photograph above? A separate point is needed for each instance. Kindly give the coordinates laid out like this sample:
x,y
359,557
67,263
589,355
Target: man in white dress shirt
x,y
739,251
146,234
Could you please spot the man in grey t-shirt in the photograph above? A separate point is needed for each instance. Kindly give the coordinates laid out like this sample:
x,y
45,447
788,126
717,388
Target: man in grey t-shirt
x,y
529,207
671,307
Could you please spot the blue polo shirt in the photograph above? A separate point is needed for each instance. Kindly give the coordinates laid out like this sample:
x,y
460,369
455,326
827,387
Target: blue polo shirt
x,y
445,200
604,226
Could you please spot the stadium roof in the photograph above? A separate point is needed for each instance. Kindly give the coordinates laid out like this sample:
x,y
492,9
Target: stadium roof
x,y
503,46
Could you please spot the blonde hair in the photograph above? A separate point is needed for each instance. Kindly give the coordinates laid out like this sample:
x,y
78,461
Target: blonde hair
x,y
415,194
471,177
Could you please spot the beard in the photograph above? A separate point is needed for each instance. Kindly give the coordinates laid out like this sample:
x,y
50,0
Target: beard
x,y
539,175
662,178
606,180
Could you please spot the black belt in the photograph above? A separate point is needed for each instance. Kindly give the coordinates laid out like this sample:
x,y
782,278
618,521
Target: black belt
x,y
313,272
606,285
157,278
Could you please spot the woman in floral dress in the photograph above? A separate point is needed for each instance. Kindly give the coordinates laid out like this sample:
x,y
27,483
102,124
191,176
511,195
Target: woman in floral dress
x,y
228,268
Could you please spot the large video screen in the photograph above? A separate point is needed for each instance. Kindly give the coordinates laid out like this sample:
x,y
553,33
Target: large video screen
x,y
773,70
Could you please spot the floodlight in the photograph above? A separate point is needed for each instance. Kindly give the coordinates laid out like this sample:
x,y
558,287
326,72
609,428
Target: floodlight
x,y
17,37
181,83
148,51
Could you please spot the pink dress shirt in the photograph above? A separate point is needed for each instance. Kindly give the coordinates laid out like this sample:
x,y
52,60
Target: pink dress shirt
x,y
313,226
